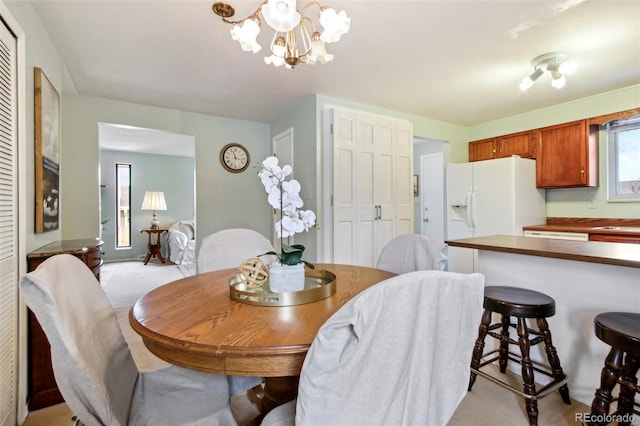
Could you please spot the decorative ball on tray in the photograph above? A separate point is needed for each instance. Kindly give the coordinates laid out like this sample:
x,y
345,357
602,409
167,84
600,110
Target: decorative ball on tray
x,y
255,272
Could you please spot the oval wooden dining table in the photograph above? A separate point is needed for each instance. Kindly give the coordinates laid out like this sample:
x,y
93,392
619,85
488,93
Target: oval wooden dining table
x,y
193,323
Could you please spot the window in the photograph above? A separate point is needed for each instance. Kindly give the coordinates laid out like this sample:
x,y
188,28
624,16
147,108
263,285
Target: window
x,y
123,203
623,160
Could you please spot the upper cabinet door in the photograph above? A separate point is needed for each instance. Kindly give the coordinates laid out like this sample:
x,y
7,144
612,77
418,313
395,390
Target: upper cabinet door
x,y
484,149
567,156
521,144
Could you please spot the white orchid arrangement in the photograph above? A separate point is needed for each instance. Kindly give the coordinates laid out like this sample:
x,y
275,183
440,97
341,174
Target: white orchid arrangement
x,y
284,195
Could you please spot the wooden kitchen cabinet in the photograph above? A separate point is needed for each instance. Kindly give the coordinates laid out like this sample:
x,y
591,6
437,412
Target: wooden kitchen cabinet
x,y
43,390
521,144
484,149
567,156
615,238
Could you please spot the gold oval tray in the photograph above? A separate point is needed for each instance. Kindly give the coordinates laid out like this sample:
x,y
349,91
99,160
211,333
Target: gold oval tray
x,y
318,285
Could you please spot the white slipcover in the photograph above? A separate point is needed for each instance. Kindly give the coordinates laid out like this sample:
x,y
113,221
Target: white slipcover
x,y
413,252
181,243
230,247
92,363
396,354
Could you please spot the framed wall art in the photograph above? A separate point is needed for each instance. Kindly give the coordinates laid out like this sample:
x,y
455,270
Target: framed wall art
x,y
416,185
47,154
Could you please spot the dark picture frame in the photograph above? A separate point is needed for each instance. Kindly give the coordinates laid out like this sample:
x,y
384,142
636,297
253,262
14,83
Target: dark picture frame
x,y
416,185
47,154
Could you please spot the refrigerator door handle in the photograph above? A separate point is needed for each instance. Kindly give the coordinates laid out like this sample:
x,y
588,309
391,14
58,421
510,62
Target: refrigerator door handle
x,y
474,219
469,210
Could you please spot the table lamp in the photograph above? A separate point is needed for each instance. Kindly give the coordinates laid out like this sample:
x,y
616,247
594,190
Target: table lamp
x,y
154,200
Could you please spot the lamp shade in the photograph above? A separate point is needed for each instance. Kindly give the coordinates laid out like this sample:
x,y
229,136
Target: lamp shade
x,y
154,200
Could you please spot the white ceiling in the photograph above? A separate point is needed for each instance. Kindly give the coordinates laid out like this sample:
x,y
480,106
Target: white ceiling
x,y
118,137
456,61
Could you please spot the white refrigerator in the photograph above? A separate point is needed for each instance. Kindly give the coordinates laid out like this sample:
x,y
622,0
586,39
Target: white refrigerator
x,y
491,197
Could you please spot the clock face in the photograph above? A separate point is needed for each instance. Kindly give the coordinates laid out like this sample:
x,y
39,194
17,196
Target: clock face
x,y
234,157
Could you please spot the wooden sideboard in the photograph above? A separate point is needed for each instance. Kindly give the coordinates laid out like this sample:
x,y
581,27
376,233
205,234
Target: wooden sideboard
x,y
43,390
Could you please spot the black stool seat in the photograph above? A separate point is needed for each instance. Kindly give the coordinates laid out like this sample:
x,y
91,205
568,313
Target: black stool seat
x,y
522,304
621,331
519,302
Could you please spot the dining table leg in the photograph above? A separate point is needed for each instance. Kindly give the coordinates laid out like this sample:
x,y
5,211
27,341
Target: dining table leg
x,y
275,391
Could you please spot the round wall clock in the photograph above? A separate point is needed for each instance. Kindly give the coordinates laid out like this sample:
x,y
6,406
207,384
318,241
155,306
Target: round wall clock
x,y
234,157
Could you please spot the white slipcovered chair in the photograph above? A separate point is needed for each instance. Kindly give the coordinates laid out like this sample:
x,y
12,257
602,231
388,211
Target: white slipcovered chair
x,y
396,354
230,247
413,252
181,243
92,363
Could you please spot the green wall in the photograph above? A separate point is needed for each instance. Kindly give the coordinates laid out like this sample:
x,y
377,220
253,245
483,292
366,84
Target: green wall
x,y
302,119
223,199
41,53
170,174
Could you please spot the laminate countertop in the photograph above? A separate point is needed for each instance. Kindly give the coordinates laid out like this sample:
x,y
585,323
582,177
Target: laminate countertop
x,y
619,254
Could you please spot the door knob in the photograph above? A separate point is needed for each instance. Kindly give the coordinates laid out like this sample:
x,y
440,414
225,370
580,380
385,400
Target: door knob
x,y
425,219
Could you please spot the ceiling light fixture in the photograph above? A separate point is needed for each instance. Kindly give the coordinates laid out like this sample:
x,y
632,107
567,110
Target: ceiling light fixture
x,y
557,63
296,38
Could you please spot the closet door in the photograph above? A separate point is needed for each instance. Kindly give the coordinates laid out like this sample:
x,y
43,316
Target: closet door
x,y
365,190
344,204
372,198
8,229
384,184
403,178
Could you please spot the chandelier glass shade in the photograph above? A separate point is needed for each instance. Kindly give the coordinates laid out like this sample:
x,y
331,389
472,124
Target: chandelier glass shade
x,y
559,66
297,37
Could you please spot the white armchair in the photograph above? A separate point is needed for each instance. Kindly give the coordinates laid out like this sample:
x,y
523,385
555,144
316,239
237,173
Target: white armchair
x,y
181,243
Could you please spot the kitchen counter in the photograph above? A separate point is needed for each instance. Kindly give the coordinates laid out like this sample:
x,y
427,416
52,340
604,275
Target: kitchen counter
x,y
584,278
619,254
598,229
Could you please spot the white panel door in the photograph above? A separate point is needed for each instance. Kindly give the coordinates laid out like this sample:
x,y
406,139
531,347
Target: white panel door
x,y
403,177
345,208
367,184
432,196
384,184
365,190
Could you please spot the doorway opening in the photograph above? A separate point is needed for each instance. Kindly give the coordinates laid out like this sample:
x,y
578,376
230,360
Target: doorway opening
x,y
430,159
134,160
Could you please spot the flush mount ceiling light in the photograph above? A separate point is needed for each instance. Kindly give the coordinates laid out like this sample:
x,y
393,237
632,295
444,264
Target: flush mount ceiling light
x,y
296,38
557,63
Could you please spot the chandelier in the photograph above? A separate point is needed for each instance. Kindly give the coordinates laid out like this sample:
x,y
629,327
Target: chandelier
x,y
557,63
296,38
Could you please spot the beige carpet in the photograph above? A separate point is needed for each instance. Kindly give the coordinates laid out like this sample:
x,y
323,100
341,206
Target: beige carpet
x,y
487,405
125,283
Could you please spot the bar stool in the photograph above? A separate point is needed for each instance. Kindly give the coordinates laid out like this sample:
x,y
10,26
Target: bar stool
x,y
621,331
522,304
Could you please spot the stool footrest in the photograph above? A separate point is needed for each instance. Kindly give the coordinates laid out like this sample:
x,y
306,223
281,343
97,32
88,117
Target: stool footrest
x,y
540,393
537,366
